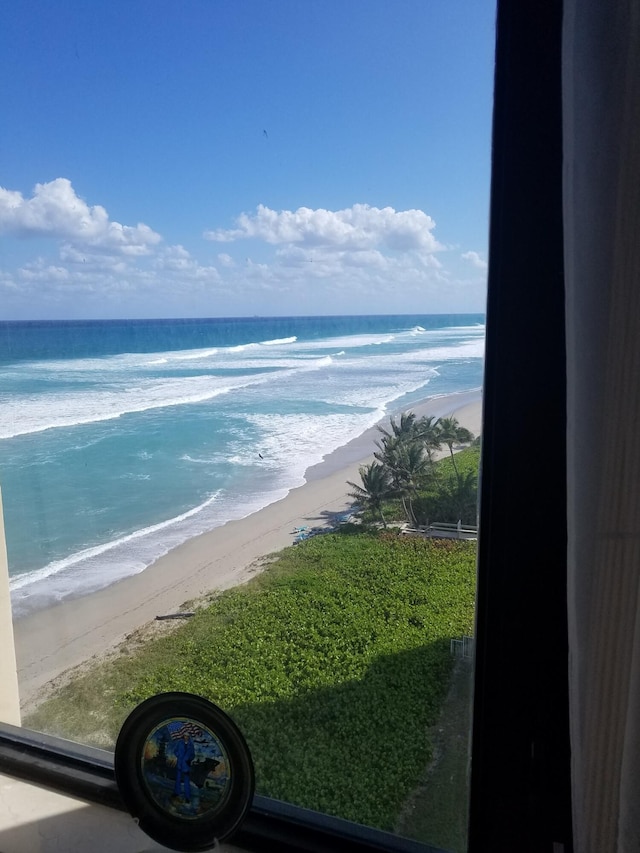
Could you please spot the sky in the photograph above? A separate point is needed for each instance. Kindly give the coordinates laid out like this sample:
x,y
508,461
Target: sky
x,y
218,158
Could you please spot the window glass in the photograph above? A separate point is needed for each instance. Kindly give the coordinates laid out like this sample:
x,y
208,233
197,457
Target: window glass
x,y
242,286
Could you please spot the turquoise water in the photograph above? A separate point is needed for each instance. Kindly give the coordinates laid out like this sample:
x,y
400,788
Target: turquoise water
x,y
121,439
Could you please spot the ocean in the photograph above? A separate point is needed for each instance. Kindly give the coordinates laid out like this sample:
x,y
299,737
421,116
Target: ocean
x,y
121,439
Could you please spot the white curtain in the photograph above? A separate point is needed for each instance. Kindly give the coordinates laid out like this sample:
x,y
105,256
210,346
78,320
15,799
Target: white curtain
x,y
601,127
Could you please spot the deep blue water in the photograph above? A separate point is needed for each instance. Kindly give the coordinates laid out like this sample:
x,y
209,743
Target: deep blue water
x,y
121,439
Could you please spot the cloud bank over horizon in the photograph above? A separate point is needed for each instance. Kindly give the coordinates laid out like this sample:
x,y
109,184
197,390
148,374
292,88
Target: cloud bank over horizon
x,y
357,259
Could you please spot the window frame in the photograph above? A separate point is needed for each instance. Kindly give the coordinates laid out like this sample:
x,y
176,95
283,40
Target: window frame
x,y
520,778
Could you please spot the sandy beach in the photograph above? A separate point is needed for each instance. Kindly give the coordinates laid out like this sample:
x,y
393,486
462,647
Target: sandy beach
x,y
52,641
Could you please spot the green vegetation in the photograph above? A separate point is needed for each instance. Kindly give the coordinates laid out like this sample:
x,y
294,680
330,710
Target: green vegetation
x,y
437,811
334,662
375,488
406,484
452,494
450,432
444,497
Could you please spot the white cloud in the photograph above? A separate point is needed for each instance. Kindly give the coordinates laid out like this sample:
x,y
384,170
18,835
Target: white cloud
x,y
177,260
95,260
39,270
54,210
357,228
361,258
475,259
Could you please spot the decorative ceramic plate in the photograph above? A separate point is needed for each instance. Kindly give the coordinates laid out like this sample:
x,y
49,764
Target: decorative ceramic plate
x,y
184,771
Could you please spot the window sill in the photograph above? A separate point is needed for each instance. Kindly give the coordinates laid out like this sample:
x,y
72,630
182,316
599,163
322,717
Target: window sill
x,y
61,796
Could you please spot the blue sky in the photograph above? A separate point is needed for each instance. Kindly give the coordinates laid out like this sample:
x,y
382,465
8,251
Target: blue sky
x,y
214,158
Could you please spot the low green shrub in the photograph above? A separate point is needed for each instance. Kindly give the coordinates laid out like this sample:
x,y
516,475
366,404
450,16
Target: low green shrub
x,y
334,662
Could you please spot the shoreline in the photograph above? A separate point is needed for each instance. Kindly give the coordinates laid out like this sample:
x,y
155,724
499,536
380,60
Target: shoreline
x,y
52,641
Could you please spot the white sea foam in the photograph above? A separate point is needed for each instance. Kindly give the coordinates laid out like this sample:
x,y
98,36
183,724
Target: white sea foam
x,y
384,393
24,414
36,414
291,401
194,356
278,341
87,555
255,344
105,365
467,349
27,413
187,457
289,445
349,342
246,459
298,441
93,569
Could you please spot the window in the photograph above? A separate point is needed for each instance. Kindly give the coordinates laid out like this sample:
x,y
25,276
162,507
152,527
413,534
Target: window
x,y
490,744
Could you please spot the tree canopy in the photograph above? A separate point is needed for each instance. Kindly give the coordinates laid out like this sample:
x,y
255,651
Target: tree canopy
x,y
405,471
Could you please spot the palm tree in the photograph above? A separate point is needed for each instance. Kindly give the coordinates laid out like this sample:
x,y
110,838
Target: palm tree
x,y
427,430
450,433
375,489
468,497
407,467
413,467
389,452
459,501
403,430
